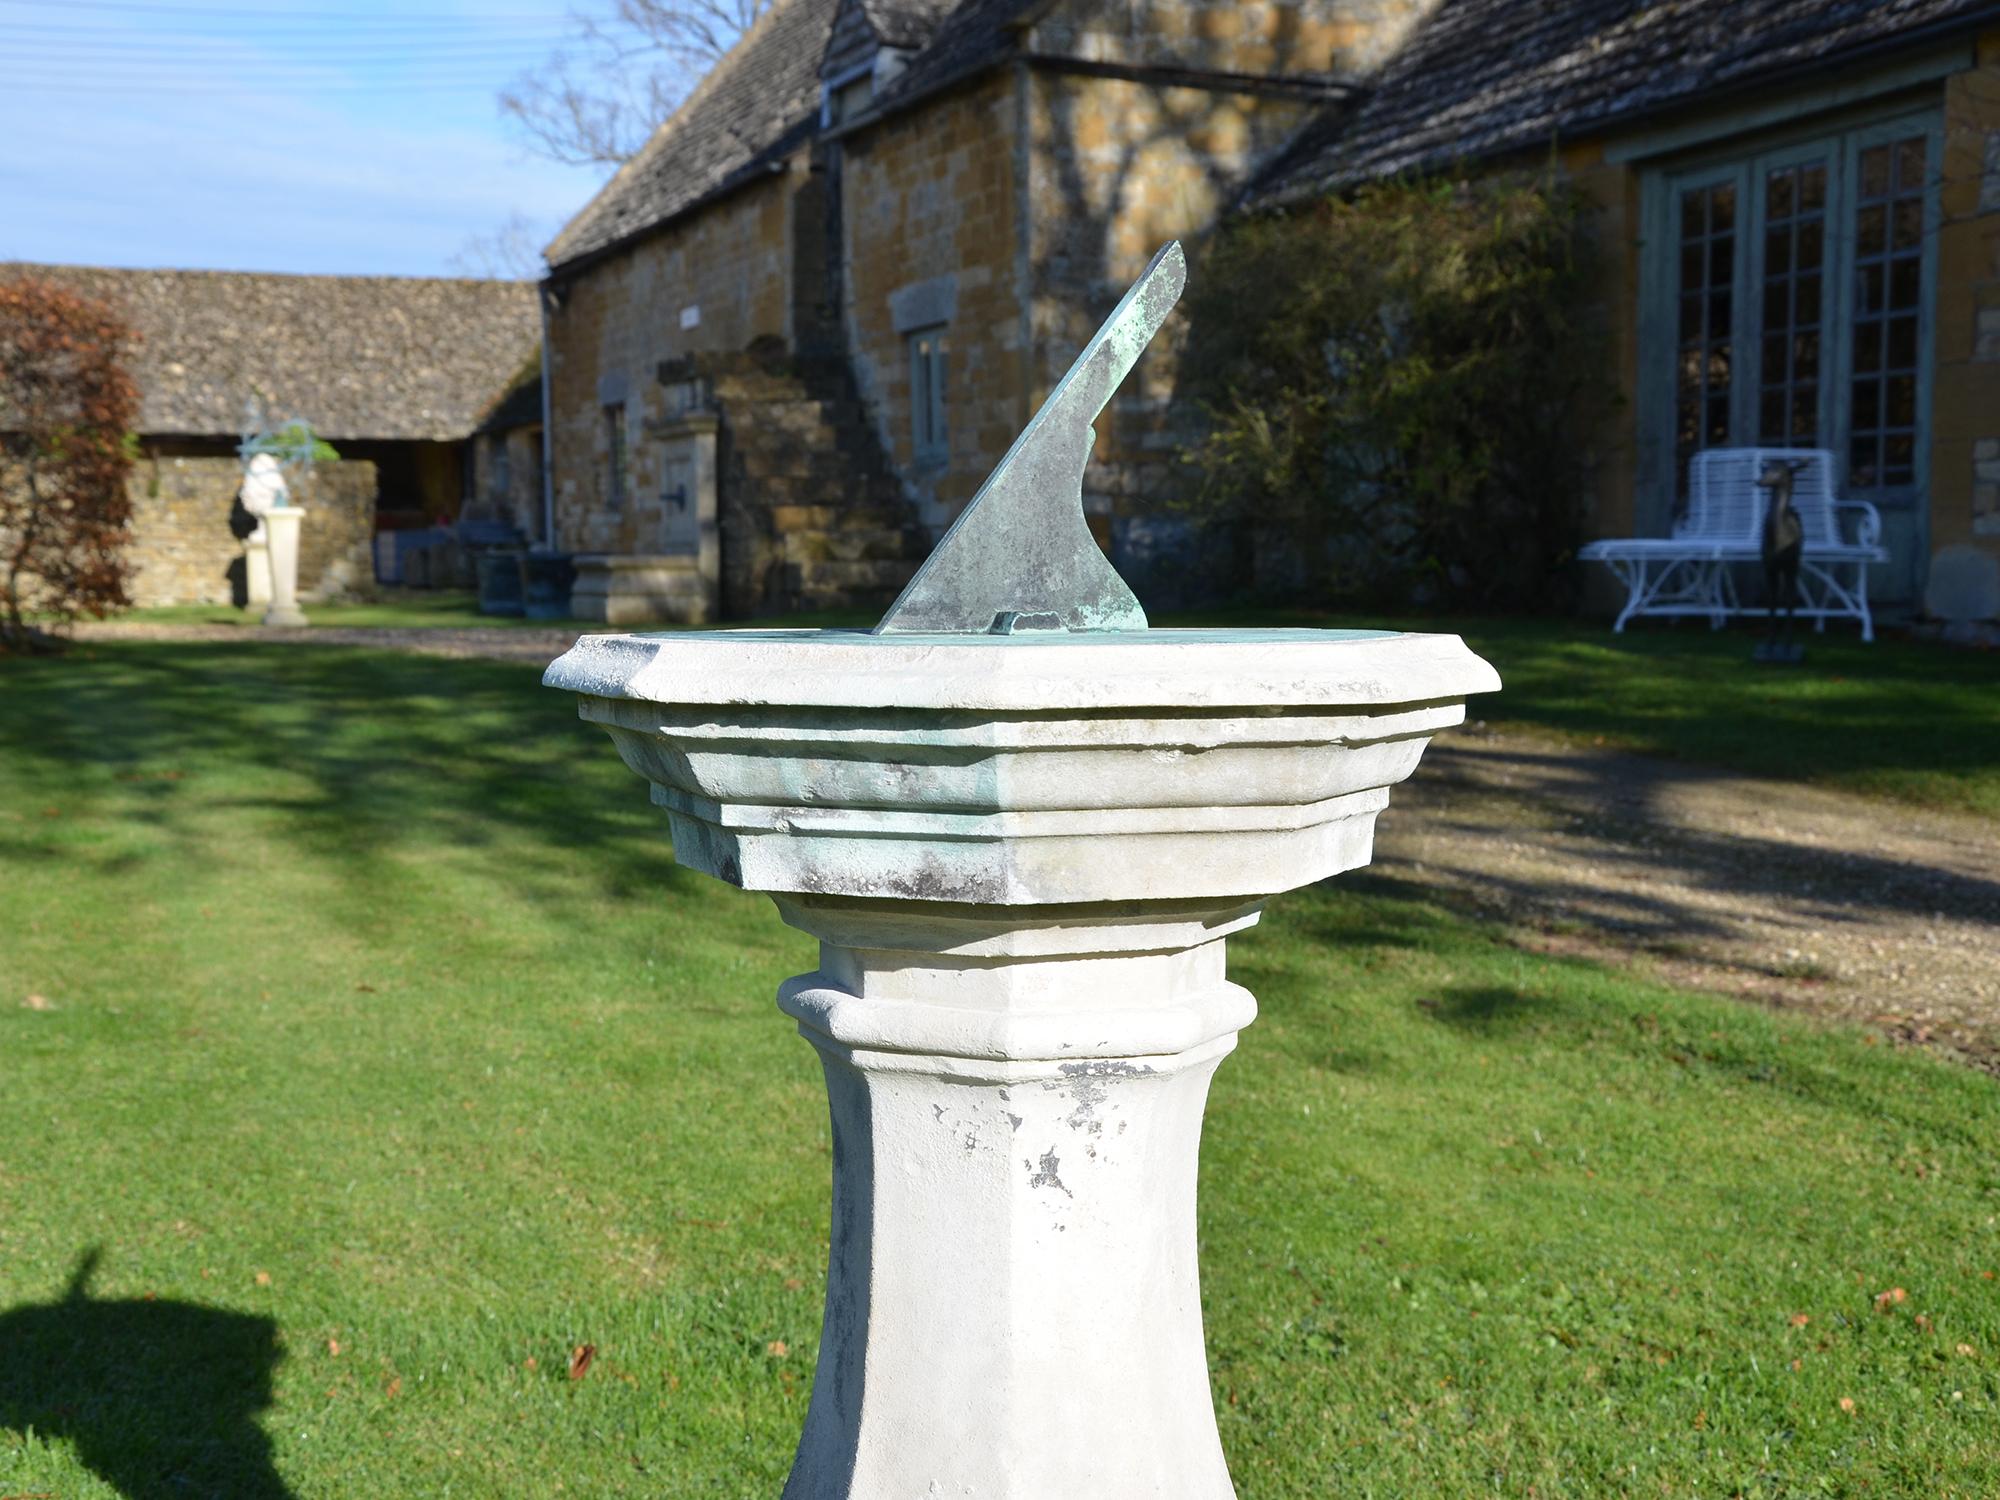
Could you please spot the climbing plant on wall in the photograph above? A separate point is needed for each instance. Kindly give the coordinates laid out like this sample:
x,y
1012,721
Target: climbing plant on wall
x,y
1401,388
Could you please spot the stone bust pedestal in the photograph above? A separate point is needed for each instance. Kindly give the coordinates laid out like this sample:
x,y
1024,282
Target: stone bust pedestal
x,y
271,552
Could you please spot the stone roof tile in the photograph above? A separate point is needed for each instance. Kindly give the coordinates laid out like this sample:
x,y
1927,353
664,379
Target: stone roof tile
x,y
905,23
756,105
972,35
1484,76
359,357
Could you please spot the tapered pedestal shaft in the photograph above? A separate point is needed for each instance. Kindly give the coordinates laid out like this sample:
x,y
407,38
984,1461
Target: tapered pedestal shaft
x,y
1013,1303
281,528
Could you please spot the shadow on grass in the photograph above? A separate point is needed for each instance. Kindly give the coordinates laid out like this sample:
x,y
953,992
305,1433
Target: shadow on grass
x,y
365,760
1490,1007
159,1398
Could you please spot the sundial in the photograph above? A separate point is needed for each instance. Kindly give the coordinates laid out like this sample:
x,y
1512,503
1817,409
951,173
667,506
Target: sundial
x,y
1022,825
1020,556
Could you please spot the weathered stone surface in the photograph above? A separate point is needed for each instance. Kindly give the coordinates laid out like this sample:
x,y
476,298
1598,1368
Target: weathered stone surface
x,y
1021,857
1964,585
636,589
282,526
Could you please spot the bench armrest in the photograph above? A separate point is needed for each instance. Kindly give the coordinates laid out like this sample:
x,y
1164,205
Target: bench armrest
x,y
1868,531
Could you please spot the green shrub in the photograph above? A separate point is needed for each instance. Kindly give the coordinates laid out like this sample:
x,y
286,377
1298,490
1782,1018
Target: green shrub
x,y
292,443
1401,388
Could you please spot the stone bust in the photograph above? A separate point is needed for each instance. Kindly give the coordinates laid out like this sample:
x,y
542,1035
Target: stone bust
x,y
264,487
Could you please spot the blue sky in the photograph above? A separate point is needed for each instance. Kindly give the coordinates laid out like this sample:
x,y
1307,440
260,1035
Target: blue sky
x,y
312,136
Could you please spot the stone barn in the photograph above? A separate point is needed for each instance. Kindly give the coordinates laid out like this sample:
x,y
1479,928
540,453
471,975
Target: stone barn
x,y
397,373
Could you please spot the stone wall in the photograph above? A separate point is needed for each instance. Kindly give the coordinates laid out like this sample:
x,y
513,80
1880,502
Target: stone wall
x,y
507,478
1120,168
1965,383
932,236
1275,37
714,283
184,552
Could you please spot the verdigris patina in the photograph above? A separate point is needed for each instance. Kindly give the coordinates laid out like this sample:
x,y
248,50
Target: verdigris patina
x,y
1021,556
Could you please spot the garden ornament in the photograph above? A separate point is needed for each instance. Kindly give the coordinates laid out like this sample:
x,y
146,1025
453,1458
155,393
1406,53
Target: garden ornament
x,y
264,487
1782,548
1021,826
274,546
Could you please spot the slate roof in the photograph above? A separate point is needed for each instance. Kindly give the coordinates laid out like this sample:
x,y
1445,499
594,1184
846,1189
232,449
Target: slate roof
x,y
359,357
1479,77
755,106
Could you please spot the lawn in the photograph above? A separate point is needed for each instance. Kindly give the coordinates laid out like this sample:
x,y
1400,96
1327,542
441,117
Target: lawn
x,y
1909,721
401,608
381,1057
1906,720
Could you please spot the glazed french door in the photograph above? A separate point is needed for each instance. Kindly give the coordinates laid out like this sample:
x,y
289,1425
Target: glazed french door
x,y
1789,302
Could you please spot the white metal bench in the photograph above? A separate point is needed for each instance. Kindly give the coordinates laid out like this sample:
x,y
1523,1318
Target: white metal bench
x,y
1692,571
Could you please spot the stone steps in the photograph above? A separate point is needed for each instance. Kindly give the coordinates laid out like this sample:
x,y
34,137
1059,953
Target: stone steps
x,y
861,514
810,512
814,518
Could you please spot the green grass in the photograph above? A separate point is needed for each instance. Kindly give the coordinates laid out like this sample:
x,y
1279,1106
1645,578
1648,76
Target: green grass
x,y
380,1017
441,609
1913,721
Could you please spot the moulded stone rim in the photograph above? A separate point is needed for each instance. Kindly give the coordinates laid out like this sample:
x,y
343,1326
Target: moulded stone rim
x,y
1051,675
957,825
1168,1029
756,728
962,1068
1009,933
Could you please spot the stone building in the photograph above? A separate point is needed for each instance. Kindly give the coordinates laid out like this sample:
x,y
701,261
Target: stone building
x,y
1801,204
396,372
843,275
871,241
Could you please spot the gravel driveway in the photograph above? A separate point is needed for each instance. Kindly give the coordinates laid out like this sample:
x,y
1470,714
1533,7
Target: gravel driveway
x,y
1779,893
1782,894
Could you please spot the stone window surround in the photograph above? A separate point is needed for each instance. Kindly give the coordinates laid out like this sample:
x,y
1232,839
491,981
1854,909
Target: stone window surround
x,y
616,451
918,311
930,365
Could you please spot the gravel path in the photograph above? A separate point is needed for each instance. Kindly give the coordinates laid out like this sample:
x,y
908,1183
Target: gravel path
x,y
1778,893
497,643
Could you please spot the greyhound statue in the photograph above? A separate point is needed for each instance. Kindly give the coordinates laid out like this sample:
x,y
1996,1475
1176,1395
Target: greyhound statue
x,y
1782,550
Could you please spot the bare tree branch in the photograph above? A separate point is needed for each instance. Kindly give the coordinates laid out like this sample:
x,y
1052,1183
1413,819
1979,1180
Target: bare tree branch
x,y
598,97
513,252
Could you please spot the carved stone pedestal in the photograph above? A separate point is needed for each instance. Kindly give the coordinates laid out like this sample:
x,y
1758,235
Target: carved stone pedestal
x,y
281,528
1022,856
